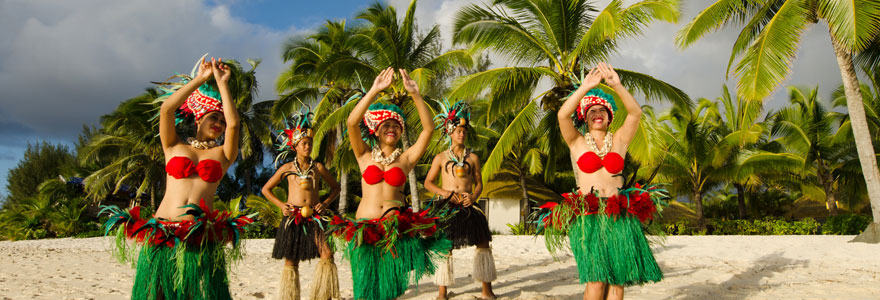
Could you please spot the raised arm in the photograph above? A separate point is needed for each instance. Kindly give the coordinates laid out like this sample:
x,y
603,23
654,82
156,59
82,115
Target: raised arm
x,y
415,152
627,131
272,183
566,126
334,187
230,141
167,134
433,173
382,81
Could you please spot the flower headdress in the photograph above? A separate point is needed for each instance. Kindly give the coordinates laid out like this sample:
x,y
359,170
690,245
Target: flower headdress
x,y
376,114
298,127
595,96
204,100
451,117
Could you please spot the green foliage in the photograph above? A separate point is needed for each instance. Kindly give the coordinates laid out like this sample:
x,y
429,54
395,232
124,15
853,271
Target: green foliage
x,y
41,161
849,224
766,226
521,229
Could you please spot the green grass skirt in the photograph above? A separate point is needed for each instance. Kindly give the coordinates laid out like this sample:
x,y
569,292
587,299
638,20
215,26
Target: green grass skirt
x,y
379,274
613,250
189,273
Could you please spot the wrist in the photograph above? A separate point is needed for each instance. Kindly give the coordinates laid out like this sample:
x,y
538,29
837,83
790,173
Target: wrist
x,y
616,85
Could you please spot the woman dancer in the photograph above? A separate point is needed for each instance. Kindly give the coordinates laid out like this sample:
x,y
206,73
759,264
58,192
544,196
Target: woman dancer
x,y
389,247
603,217
462,185
300,235
184,253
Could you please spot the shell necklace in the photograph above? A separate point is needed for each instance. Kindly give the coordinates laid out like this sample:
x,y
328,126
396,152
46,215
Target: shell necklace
x,y
379,156
307,173
200,144
458,161
606,144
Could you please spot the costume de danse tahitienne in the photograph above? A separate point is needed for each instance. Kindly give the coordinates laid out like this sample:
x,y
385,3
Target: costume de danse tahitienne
x,y
389,253
181,259
301,230
465,226
606,233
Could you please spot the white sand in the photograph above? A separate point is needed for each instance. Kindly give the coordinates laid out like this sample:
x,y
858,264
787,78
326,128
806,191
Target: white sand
x,y
706,267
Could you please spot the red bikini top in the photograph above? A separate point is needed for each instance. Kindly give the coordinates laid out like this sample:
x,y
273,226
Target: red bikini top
x,y
591,162
393,176
182,167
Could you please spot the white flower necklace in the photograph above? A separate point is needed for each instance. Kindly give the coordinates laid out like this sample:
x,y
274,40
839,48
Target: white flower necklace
x,y
200,144
606,144
379,156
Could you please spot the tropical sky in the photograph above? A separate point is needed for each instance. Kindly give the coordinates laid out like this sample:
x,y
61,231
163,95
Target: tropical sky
x,y
65,63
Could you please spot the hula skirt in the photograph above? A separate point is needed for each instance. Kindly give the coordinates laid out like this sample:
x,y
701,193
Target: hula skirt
x,y
465,226
390,253
297,237
178,259
606,235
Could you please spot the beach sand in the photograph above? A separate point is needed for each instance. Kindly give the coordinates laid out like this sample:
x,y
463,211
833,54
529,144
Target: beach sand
x,y
695,267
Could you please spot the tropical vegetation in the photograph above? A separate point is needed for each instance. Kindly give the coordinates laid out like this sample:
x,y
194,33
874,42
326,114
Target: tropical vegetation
x,y
731,165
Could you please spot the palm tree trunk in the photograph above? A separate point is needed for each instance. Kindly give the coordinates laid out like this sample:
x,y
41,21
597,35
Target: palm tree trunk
x,y
413,183
152,196
697,197
343,175
860,130
824,177
524,202
741,200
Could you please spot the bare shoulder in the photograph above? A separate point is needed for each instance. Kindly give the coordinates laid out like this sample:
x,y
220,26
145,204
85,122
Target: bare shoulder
x,y
320,166
473,158
440,157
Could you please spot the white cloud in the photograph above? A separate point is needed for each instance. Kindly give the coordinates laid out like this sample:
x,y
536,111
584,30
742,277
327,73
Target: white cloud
x,y
64,63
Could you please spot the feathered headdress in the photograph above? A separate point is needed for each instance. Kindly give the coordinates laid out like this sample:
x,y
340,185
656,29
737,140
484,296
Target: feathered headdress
x,y
376,114
451,117
298,127
595,96
204,100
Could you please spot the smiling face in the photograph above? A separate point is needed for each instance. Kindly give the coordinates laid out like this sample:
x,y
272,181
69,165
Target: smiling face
x,y
598,117
458,135
211,126
389,132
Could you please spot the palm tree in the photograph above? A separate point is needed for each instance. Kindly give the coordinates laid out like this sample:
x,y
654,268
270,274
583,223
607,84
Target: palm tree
x,y
758,159
550,40
256,132
768,43
127,150
805,128
696,159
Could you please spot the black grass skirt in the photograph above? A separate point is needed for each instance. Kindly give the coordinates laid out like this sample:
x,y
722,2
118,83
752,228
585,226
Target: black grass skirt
x,y
297,242
467,227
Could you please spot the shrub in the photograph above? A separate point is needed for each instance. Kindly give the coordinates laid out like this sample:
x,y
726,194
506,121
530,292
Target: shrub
x,y
846,224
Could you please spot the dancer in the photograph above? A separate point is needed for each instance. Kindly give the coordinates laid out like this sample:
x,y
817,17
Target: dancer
x,y
462,185
300,235
389,246
183,247
603,218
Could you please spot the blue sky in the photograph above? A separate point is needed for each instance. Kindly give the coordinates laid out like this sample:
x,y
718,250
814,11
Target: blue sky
x,y
65,63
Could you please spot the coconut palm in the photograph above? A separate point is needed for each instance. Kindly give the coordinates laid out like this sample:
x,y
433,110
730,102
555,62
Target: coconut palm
x,y
127,149
757,158
256,131
550,40
768,43
696,160
805,127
